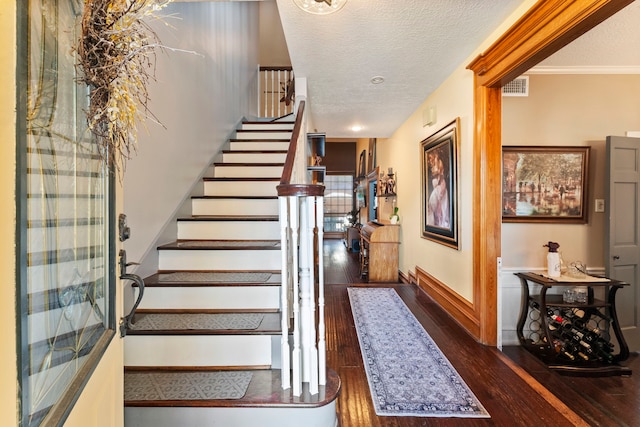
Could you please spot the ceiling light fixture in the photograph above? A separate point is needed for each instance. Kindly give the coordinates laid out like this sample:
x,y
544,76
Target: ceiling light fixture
x,y
356,128
320,7
377,80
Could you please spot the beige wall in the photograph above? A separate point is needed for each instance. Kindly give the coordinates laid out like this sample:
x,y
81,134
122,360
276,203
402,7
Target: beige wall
x,y
453,99
273,46
402,152
568,110
8,390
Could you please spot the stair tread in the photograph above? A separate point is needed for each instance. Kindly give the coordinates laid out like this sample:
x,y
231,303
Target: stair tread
x,y
263,139
254,151
262,122
247,164
213,278
152,322
241,179
231,218
234,197
223,244
264,390
263,130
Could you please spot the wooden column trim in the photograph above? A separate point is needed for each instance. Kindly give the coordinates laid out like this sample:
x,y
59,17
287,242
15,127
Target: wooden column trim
x,y
487,218
548,26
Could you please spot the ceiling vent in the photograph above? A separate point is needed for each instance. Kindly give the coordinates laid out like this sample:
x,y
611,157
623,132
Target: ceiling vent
x,y
517,87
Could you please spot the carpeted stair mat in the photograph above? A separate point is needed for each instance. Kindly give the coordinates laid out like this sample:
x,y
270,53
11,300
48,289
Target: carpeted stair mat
x,y
408,374
196,321
215,277
186,385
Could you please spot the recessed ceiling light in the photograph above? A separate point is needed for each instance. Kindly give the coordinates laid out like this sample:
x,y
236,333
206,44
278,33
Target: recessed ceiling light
x,y
377,80
356,128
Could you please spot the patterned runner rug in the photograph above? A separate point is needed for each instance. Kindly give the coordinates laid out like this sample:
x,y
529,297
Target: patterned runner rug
x,y
408,374
186,385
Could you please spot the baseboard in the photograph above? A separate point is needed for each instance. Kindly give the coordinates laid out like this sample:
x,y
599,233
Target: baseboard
x,y
461,310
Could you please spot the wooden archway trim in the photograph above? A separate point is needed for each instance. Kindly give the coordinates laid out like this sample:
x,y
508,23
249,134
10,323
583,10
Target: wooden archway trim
x,y
548,26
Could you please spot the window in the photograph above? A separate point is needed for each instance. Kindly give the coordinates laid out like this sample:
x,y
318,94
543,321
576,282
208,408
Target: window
x,y
65,262
338,201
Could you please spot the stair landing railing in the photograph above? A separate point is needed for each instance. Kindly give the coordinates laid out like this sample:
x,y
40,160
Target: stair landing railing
x,y
301,208
276,88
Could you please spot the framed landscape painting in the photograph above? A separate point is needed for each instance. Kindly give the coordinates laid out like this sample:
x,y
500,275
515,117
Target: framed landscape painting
x,y
545,184
439,154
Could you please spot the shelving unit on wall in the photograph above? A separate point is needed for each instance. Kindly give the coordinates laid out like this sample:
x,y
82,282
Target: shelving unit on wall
x,y
572,337
316,144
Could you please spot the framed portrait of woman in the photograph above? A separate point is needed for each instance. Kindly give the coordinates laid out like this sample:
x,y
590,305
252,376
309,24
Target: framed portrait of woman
x,y
439,153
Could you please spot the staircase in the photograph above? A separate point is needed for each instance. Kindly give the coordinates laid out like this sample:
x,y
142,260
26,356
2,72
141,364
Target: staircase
x,y
204,348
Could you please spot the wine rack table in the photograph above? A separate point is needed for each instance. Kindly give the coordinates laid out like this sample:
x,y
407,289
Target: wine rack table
x,y
572,338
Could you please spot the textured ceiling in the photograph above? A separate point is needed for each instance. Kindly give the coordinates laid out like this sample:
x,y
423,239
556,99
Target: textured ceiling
x,y
613,47
415,45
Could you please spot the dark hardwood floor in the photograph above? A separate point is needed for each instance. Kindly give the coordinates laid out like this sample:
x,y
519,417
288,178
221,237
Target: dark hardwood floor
x,y
513,386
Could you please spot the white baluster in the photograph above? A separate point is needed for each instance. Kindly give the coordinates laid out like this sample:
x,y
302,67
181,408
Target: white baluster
x,y
305,286
322,343
296,353
264,94
312,360
277,98
284,295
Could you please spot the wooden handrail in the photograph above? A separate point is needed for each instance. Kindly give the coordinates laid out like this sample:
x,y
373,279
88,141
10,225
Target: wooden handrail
x,y
276,68
300,190
293,146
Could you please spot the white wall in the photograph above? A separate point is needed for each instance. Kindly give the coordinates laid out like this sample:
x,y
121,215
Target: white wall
x,y
564,110
199,98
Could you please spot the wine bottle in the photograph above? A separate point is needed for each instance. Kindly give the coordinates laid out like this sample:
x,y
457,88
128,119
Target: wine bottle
x,y
583,356
562,350
596,352
593,337
577,316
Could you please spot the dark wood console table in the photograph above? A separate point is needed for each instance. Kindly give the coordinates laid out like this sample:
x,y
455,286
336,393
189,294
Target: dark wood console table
x,y
571,337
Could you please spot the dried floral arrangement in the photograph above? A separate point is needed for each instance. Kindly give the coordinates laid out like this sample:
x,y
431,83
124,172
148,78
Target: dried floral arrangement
x,y
116,52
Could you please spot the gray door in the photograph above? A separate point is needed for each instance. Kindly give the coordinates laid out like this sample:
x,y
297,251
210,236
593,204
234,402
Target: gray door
x,y
622,254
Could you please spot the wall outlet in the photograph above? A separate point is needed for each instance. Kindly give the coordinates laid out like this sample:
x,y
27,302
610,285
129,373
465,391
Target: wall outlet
x,y
599,205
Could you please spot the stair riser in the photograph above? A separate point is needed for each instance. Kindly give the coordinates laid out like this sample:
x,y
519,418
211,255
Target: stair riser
x,y
323,416
258,145
247,171
197,350
212,298
242,188
229,230
234,207
263,135
208,260
254,157
267,126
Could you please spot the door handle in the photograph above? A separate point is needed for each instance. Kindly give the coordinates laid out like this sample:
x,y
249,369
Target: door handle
x,y
616,257
125,322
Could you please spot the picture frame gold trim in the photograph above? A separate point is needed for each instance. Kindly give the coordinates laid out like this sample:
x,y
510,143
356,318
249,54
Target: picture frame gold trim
x,y
545,184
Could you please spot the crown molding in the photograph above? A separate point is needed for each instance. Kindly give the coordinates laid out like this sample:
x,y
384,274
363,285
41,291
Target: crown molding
x,y
588,69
